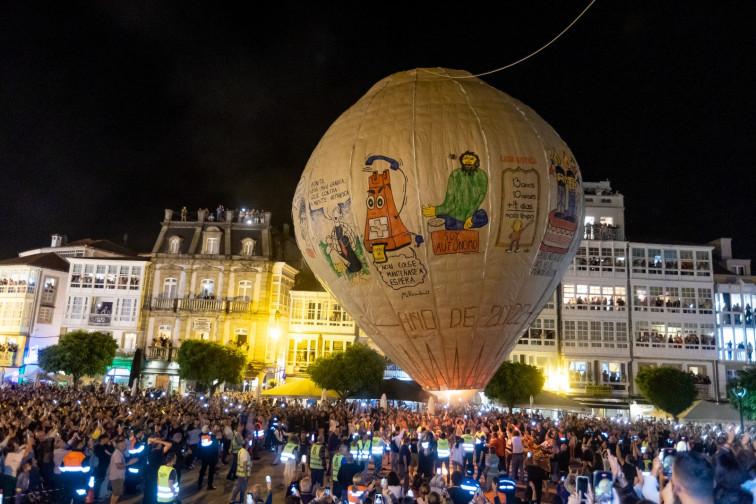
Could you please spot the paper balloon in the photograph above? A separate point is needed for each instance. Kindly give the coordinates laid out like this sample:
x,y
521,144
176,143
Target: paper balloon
x,y
441,213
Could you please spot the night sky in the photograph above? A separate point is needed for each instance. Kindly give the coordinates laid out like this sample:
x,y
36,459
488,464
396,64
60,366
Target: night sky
x,y
112,111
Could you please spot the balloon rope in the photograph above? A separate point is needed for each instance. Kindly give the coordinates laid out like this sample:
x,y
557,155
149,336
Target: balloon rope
x,y
526,57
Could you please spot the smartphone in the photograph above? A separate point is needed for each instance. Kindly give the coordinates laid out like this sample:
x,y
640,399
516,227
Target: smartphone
x,y
438,472
378,499
328,491
293,489
667,456
249,443
530,455
643,449
304,459
602,487
581,484
267,478
250,499
312,438
410,494
383,482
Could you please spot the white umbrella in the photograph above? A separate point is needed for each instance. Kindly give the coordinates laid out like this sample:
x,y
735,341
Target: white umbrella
x,y
134,387
384,402
257,392
432,405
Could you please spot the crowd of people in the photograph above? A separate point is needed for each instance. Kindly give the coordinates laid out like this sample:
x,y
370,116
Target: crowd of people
x,y
94,445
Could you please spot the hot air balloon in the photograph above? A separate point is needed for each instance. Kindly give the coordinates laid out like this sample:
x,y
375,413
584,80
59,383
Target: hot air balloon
x,y
441,213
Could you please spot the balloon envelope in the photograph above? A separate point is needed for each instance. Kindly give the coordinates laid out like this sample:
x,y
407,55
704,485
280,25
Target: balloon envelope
x,y
441,213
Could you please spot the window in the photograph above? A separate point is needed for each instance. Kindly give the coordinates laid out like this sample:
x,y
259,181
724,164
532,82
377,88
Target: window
x,y
127,310
245,290
110,280
212,245
241,337
88,277
123,277
129,342
45,315
207,287
248,247
99,280
76,275
164,333
170,286
136,275
75,309
174,245
48,291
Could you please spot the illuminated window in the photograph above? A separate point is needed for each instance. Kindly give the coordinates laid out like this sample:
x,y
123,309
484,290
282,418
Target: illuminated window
x,y
207,287
248,247
212,245
170,286
245,290
175,245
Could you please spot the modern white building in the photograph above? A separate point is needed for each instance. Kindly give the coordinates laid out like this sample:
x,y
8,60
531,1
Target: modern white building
x,y
623,306
32,297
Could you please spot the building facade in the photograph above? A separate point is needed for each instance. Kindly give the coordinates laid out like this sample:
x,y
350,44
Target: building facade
x,y
225,280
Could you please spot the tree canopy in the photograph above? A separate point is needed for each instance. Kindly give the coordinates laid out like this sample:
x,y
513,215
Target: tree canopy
x,y
515,382
358,369
79,353
210,363
746,379
668,389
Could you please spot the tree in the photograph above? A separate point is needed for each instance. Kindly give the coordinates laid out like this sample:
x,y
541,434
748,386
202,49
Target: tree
x,y
210,364
668,389
79,353
746,379
357,369
515,382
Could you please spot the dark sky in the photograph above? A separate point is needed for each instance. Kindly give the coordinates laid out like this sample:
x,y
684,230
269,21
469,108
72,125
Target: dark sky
x,y
112,111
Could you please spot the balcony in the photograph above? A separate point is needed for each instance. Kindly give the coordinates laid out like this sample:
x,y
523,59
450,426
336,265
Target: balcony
x,y
161,353
239,306
704,391
201,305
164,304
97,319
6,358
17,289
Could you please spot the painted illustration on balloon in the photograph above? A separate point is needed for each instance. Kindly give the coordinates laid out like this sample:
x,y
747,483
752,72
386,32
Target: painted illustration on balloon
x,y
341,248
519,208
562,225
386,237
301,215
452,223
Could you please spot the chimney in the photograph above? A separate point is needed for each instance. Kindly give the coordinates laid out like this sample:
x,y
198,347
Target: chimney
x,y
57,241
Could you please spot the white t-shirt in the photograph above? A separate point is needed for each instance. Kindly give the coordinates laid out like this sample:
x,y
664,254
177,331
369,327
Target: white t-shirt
x,y
115,472
13,462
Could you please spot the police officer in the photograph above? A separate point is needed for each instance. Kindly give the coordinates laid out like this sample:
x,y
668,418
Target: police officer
x,y
317,461
468,445
376,451
136,452
289,456
209,447
167,481
443,450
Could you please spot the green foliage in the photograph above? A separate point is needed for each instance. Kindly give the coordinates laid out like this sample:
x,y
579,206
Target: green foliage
x,y
79,353
358,369
746,379
515,382
211,364
667,388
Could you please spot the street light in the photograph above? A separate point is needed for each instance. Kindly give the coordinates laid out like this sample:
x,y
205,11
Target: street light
x,y
740,392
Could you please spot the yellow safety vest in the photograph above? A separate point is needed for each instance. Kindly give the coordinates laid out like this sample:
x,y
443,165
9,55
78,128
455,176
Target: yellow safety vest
x,y
468,443
376,446
335,466
288,452
443,448
166,492
315,461
239,469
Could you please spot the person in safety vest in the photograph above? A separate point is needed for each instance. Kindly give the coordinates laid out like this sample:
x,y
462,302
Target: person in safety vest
x,y
468,445
258,438
377,446
209,448
75,471
289,456
336,463
356,492
237,443
243,471
363,450
167,481
137,450
443,451
318,461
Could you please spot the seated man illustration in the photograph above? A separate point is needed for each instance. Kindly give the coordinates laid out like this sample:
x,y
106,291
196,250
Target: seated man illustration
x,y
465,191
